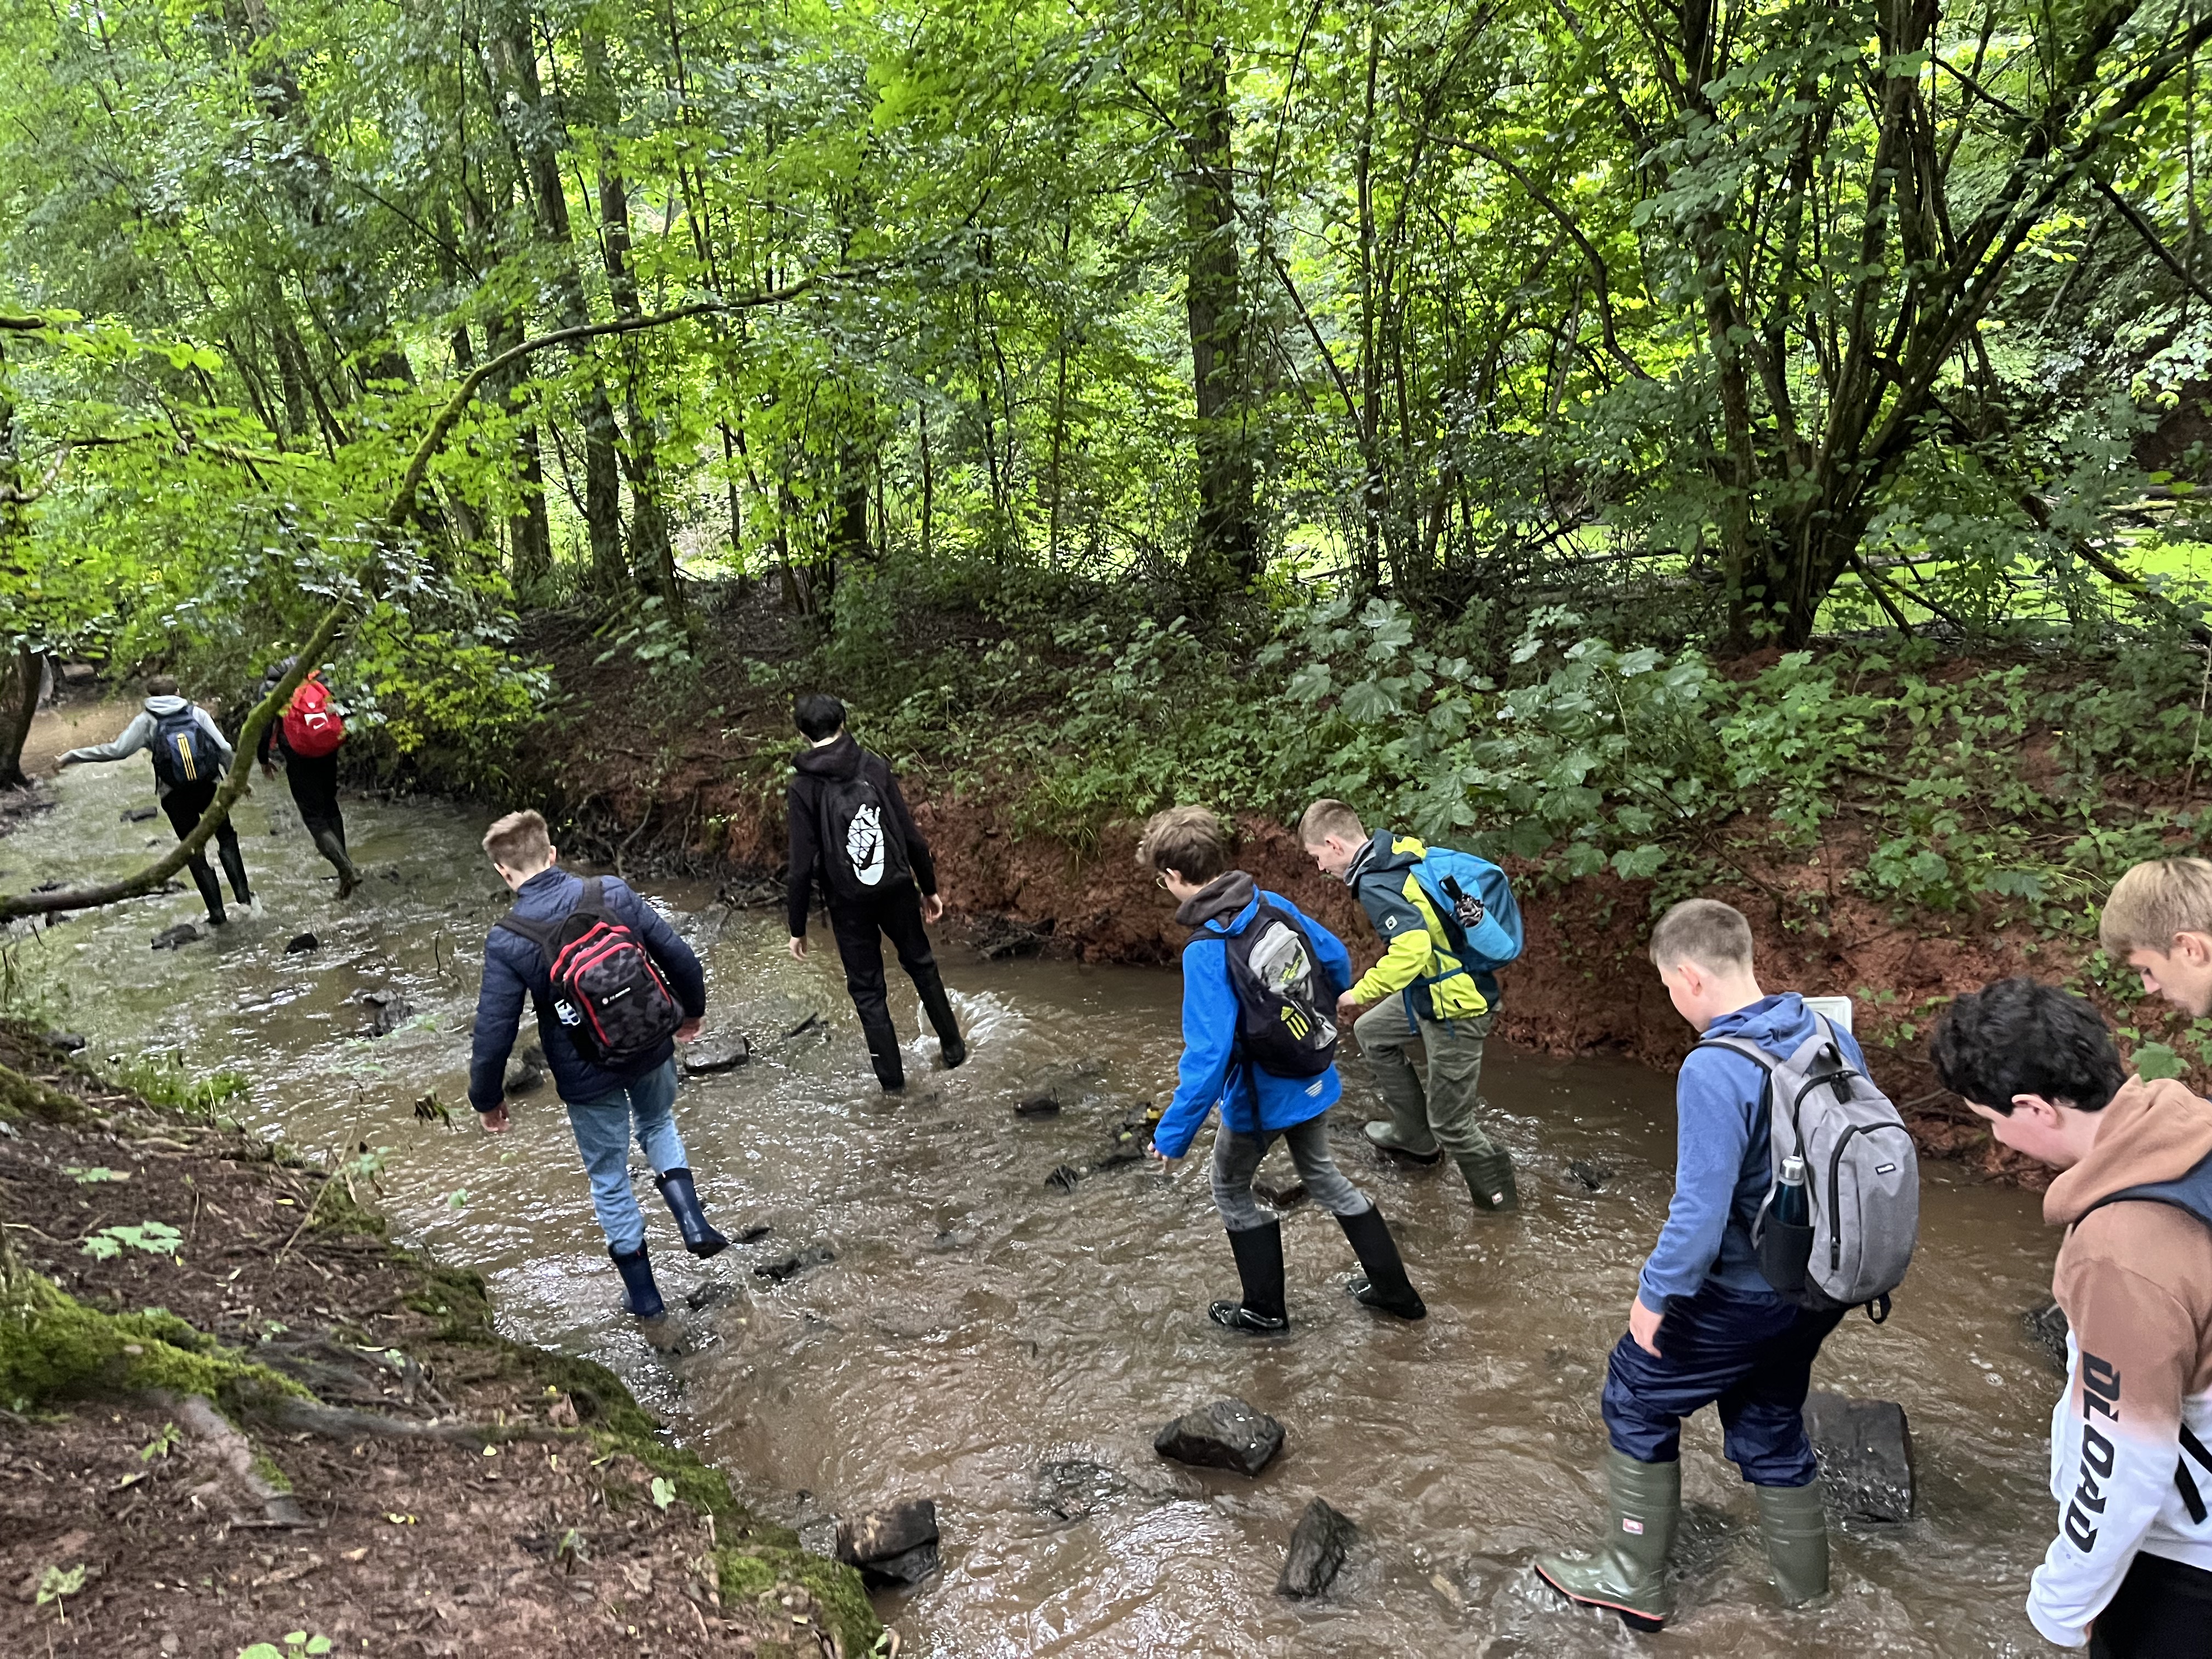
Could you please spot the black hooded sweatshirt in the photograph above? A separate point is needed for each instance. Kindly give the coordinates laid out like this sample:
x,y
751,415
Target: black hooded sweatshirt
x,y
842,759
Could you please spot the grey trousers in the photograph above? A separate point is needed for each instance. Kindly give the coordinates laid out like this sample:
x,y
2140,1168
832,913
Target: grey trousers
x,y
1237,1159
1443,1114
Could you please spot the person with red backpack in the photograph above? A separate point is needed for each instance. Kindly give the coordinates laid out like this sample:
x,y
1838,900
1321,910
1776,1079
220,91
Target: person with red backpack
x,y
308,735
614,990
852,834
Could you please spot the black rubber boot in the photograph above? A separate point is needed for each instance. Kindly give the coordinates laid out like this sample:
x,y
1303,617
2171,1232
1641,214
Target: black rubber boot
x,y
211,893
331,846
640,1296
1259,1253
683,1200
951,1047
233,866
1383,1284
884,1054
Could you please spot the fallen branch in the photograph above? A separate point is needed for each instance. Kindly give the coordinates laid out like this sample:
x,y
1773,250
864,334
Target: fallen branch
x,y
316,647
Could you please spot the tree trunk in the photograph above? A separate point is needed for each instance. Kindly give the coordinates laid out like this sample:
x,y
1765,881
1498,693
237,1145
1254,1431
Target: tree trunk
x,y
537,132
1224,542
24,679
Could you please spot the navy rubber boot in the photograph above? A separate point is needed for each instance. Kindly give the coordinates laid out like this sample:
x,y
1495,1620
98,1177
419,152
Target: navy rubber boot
x,y
683,1198
640,1296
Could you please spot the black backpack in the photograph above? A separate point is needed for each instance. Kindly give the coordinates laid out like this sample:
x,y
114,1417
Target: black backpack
x,y
183,753
1282,1025
607,993
862,852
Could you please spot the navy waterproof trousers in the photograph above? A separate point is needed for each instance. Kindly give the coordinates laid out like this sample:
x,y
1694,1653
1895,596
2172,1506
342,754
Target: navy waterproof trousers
x,y
1750,1355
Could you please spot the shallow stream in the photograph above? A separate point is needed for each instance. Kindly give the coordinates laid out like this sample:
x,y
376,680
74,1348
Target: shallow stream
x,y
1008,1347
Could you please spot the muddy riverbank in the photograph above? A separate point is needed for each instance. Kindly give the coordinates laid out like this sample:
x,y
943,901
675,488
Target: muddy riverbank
x,y
388,1473
930,1312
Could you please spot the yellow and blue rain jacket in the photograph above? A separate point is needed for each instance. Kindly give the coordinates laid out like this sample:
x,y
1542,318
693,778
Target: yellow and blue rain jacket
x,y
1418,960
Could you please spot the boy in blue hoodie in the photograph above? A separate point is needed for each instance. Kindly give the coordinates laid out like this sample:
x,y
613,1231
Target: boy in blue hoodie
x,y
1706,1328
1235,1056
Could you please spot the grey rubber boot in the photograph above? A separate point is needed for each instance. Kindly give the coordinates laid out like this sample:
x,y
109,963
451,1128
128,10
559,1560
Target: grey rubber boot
x,y
1490,1181
1382,1284
233,866
1794,1521
1627,1571
328,844
1382,1134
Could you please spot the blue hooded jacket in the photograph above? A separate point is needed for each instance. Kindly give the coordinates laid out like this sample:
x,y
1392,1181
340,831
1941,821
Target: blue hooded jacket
x,y
1722,1163
515,968
1209,1073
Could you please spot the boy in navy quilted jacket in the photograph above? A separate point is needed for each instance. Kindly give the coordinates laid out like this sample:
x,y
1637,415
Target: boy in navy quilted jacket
x,y
1232,1059
608,1099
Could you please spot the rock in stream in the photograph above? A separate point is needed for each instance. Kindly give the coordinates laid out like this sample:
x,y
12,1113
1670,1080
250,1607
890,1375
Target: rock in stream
x,y
1865,1448
894,1545
1225,1435
1316,1552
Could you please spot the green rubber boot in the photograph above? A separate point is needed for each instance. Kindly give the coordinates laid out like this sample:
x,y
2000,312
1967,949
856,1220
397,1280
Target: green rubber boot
x,y
1796,1523
1627,1571
1490,1181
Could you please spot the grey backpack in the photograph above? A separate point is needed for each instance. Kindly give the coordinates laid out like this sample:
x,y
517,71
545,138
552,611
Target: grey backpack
x,y
1862,1178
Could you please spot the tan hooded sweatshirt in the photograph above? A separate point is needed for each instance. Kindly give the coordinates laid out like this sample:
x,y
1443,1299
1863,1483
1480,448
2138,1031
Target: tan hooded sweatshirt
x,y
2135,1278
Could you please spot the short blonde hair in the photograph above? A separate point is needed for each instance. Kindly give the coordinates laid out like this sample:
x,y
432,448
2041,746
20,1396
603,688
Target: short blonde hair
x,y
2153,902
1187,840
519,840
1327,817
1704,932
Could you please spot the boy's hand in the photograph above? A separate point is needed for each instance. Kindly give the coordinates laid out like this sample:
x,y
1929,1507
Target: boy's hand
x,y
1347,1008
269,769
493,1122
689,1030
933,907
1169,1164
1644,1326
798,947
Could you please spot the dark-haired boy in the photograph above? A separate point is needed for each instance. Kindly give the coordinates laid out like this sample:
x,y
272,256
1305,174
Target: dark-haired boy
x,y
1187,850
1706,1328
2130,1571
851,832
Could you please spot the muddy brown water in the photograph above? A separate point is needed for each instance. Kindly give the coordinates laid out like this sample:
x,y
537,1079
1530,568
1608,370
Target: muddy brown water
x,y
978,1327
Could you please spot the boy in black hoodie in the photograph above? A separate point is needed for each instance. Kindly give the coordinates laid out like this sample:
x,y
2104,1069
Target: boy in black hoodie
x,y
850,828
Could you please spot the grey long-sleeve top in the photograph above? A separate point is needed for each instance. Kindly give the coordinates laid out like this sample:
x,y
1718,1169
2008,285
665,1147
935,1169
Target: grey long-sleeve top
x,y
139,734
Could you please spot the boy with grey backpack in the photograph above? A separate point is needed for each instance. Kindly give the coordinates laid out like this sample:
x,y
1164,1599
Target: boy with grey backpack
x,y
1796,1198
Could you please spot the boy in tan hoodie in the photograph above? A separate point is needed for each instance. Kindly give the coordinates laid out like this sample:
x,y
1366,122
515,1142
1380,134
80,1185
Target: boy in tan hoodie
x,y
2130,1572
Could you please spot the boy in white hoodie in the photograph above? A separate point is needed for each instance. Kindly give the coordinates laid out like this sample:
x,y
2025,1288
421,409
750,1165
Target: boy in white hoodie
x,y
189,755
2130,1572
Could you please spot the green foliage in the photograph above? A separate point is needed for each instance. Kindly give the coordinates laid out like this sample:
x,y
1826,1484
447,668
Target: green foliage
x,y
154,1238
297,1644
162,1081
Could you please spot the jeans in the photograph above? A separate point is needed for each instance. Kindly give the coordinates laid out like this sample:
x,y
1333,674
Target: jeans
x,y
861,927
1237,1159
2162,1610
1443,1115
603,1129
1749,1354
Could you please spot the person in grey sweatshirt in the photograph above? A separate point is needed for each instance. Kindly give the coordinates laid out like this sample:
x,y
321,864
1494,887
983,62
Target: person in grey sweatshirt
x,y
189,755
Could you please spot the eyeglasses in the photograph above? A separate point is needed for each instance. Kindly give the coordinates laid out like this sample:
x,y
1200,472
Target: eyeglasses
x,y
1160,881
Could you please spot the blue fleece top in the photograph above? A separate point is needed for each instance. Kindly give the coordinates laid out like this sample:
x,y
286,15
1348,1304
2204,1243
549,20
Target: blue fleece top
x,y
1208,1074
1722,1163
515,968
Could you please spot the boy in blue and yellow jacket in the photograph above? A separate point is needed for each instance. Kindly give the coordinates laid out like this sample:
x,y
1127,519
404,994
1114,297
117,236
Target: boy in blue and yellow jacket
x,y
1420,990
1185,848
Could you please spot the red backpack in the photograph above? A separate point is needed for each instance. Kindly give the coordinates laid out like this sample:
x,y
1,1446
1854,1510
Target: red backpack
x,y
607,993
312,728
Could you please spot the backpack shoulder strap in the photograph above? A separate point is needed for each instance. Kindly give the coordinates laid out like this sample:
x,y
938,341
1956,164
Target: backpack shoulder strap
x,y
1737,1045
592,901
542,934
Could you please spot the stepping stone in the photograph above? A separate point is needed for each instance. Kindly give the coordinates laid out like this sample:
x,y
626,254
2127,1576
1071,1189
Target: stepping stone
x,y
1317,1547
301,943
703,1060
894,1545
1225,1435
1865,1448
